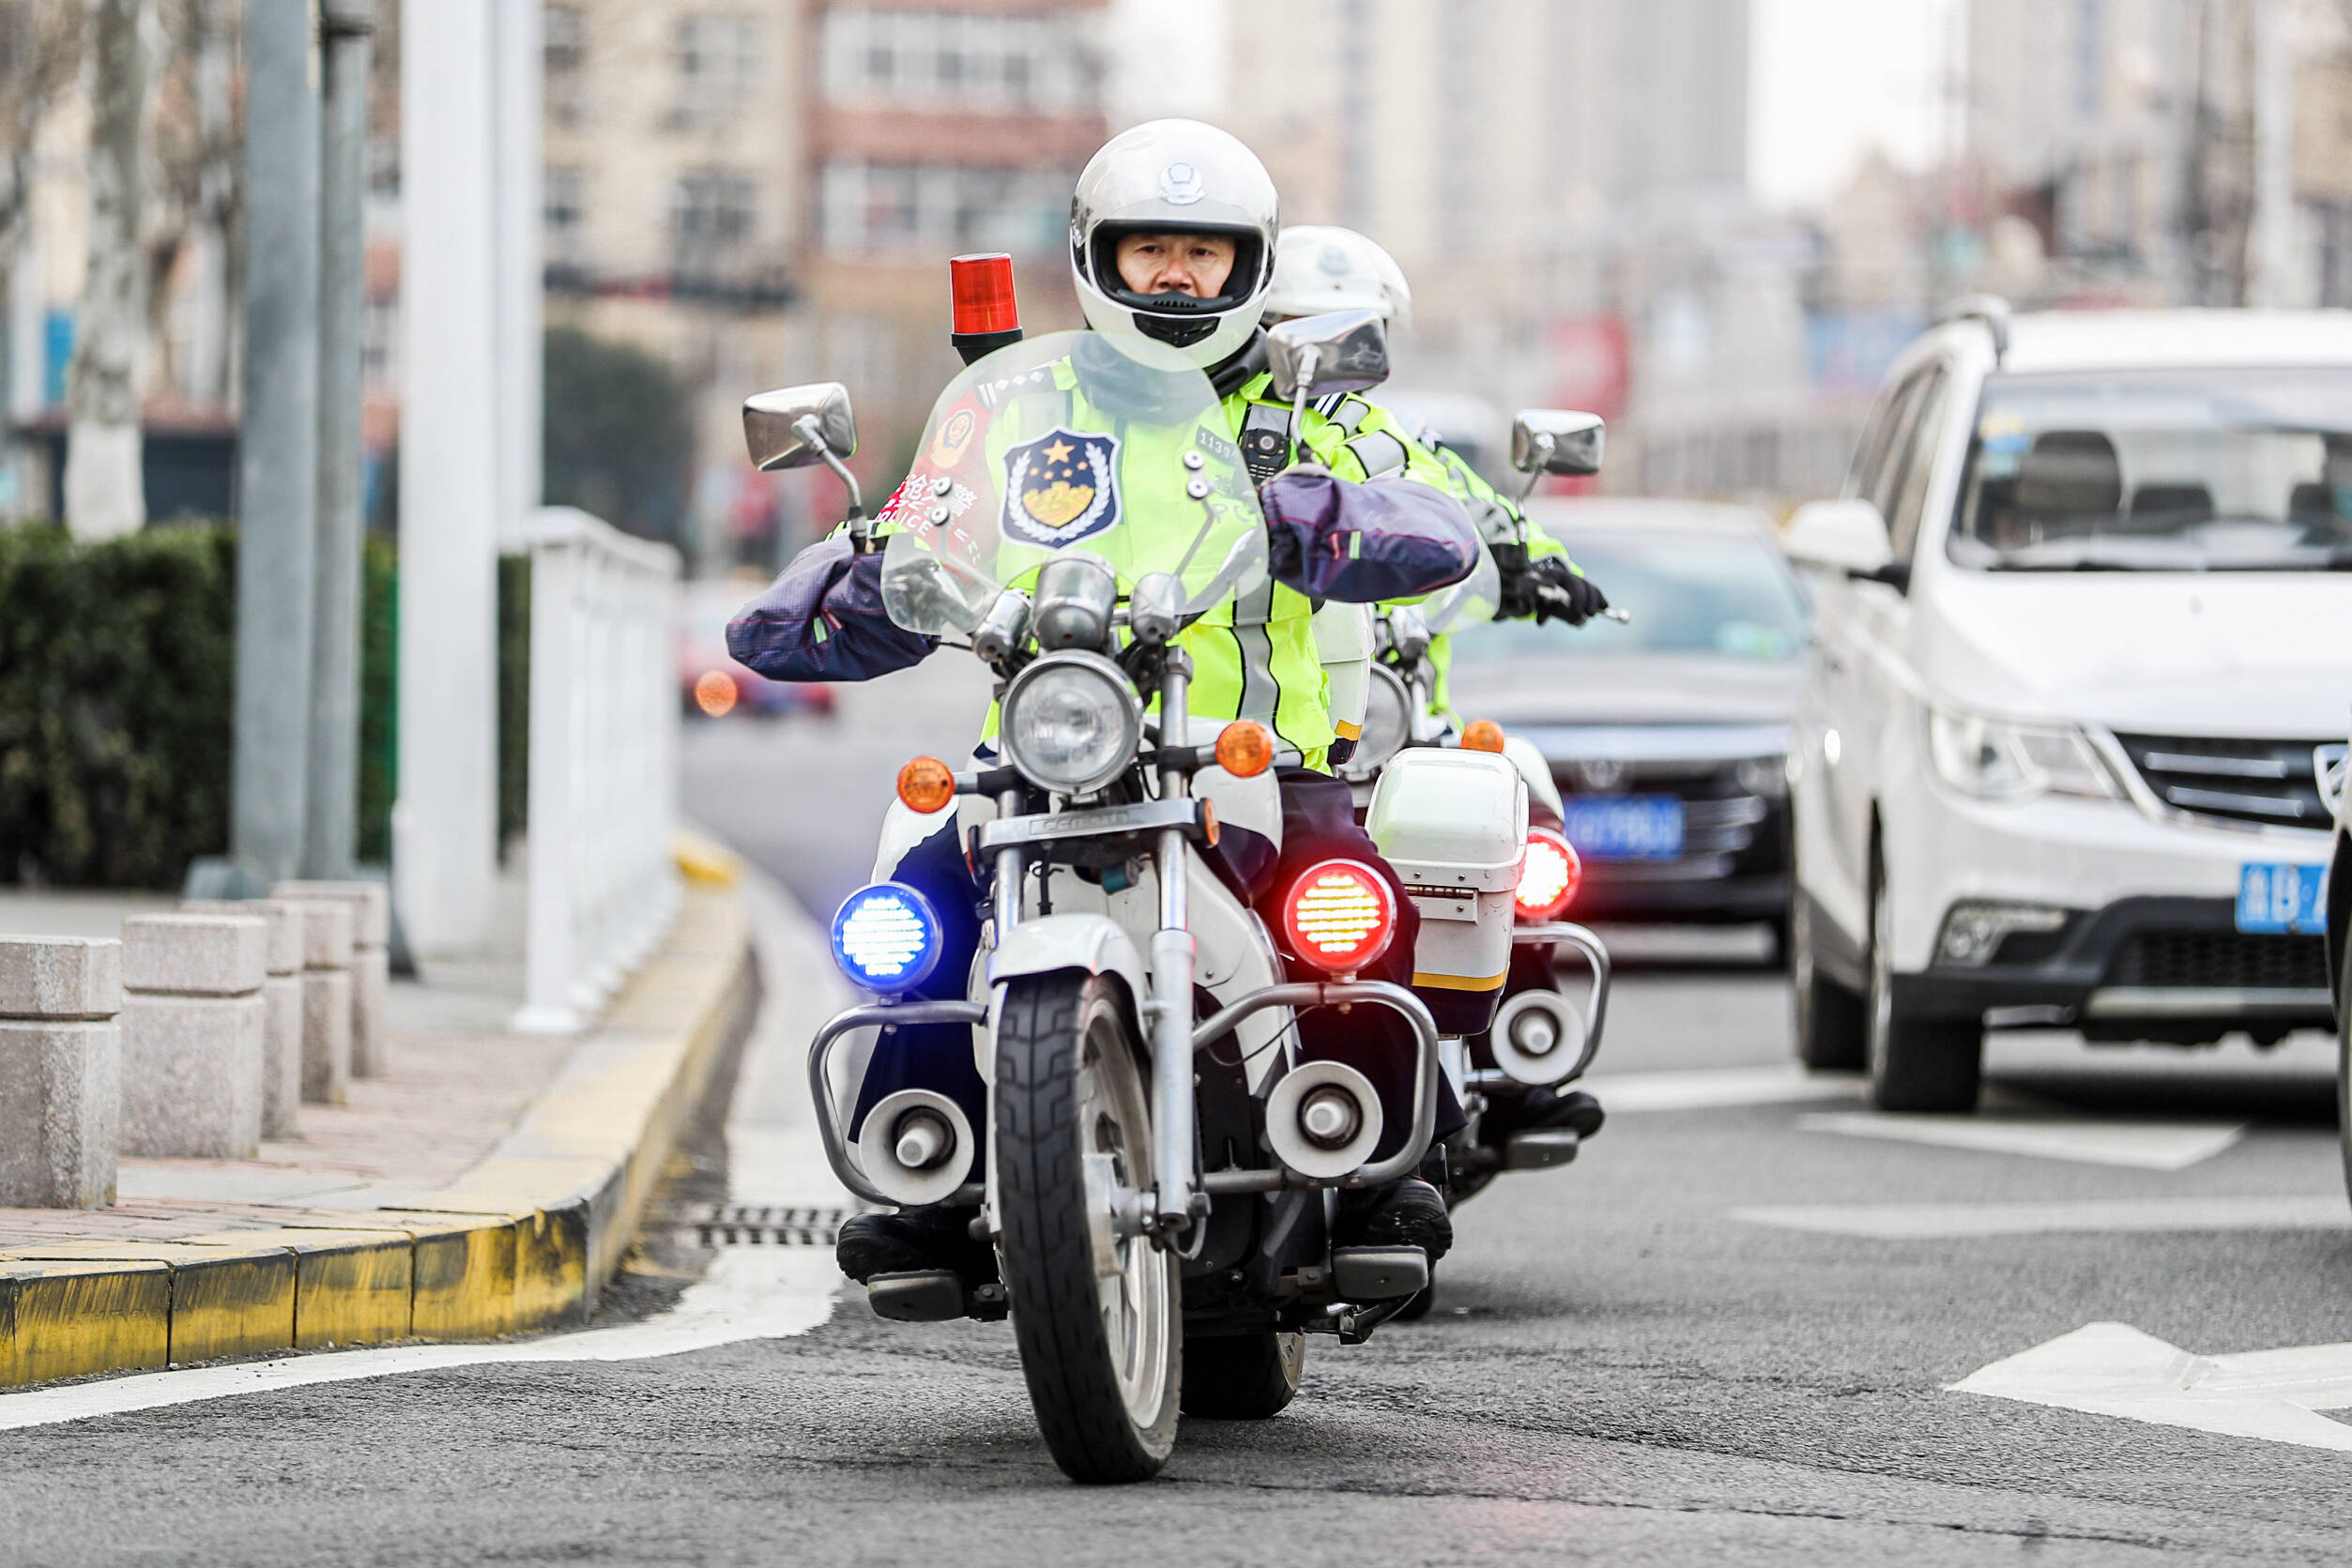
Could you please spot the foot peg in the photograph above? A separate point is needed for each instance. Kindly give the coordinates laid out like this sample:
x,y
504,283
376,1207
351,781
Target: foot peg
x,y
1540,1149
927,1296
1378,1273
932,1296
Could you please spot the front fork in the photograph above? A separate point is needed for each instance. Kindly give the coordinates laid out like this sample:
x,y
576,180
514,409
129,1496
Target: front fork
x,y
1169,1011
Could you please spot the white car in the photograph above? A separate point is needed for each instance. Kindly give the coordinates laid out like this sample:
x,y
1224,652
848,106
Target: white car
x,y
2079,677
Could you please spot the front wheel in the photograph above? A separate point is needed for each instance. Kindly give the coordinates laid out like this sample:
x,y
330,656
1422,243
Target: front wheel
x,y
1916,1064
2344,1065
1832,1034
1097,1317
1243,1376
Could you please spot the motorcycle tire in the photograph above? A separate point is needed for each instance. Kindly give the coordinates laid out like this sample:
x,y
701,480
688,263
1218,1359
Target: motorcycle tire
x,y
1243,1376
1423,1300
1101,1343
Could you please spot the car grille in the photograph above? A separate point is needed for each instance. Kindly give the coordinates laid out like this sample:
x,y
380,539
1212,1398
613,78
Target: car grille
x,y
2220,960
2274,782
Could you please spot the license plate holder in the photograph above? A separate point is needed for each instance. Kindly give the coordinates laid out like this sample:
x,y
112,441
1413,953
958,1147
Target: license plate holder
x,y
2282,898
1625,827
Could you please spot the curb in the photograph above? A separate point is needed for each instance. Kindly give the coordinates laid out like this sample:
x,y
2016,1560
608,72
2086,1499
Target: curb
x,y
523,1241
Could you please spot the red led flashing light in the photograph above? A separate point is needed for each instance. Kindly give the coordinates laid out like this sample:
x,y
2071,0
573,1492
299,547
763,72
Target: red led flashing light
x,y
1340,916
1547,875
982,289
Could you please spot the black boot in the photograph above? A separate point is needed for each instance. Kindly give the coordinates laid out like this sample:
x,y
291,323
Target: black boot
x,y
1406,1214
1541,1109
913,1240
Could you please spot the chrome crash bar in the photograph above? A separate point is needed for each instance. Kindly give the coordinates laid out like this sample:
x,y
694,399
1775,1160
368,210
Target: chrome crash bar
x,y
1596,958
1310,993
881,1015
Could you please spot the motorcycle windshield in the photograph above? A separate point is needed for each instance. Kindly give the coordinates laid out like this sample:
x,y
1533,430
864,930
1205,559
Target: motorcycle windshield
x,y
1075,441
1472,601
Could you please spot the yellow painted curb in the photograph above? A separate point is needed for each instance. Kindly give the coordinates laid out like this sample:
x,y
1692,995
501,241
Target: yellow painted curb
x,y
68,1320
703,859
228,1298
523,1241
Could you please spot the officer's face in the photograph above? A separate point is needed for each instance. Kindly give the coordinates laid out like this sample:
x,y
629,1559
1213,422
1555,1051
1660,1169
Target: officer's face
x,y
1194,264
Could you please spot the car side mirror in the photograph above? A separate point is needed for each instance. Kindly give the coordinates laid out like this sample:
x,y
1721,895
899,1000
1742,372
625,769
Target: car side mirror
x,y
1847,537
1340,351
1557,441
793,427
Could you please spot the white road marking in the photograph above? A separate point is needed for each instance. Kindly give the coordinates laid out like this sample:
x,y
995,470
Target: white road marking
x,y
2142,1145
751,1292
2114,1369
1706,1090
1900,1222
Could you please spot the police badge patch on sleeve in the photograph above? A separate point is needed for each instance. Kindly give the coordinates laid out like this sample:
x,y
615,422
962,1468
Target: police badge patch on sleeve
x,y
1061,488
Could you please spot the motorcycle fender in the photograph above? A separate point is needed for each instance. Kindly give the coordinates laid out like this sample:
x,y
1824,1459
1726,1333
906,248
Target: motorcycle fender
x,y
1522,754
1051,944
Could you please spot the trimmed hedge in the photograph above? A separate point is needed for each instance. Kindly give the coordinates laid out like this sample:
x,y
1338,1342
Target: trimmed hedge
x,y
117,696
118,665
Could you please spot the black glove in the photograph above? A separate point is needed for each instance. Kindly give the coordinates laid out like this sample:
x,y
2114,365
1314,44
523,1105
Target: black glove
x,y
1548,589
1561,594
1342,752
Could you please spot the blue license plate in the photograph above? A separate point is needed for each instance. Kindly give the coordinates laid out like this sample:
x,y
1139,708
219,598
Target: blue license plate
x,y
2286,898
1624,827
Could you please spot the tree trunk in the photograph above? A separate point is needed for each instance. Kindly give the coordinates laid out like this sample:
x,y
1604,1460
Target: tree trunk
x,y
104,493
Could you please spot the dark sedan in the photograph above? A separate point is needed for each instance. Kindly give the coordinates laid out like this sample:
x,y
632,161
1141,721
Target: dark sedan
x,y
1668,735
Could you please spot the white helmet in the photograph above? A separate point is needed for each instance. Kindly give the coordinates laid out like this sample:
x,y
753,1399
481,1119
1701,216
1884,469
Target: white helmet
x,y
1174,176
1318,268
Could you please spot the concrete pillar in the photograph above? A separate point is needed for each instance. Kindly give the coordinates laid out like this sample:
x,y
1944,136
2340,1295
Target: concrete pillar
x,y
371,907
326,1002
60,1070
281,1002
278,444
345,28
515,93
193,1032
445,823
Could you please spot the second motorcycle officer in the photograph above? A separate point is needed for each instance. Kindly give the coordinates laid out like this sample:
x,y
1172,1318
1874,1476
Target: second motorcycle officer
x,y
1172,232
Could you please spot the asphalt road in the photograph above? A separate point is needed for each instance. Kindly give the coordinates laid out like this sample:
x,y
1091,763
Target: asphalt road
x,y
1726,1334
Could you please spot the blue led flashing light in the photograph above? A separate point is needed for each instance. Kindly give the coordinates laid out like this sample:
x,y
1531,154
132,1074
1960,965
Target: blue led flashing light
x,y
886,937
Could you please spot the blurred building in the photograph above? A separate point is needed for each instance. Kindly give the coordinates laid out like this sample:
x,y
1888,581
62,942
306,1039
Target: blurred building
x,y
1550,173
2131,134
770,192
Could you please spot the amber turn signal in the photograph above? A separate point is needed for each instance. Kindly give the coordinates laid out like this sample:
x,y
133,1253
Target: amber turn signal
x,y
1244,749
926,784
1482,735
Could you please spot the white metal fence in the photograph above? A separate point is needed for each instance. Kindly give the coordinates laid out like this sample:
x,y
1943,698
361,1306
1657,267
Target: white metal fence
x,y
604,763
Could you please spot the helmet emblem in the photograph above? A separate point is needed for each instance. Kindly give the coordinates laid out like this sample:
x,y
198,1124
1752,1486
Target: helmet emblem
x,y
1333,262
1181,184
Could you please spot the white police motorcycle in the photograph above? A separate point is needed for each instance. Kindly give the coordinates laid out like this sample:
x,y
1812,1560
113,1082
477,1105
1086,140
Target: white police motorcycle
x,y
1535,1038
1160,1187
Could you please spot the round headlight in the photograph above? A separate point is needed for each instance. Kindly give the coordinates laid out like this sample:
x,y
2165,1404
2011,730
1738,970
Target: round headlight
x,y
1071,723
1387,725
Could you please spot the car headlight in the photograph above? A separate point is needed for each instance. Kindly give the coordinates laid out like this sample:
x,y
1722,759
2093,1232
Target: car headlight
x,y
1994,759
1071,721
1387,725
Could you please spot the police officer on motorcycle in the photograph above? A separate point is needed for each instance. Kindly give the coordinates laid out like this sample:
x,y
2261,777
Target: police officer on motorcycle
x,y
1172,235
1319,268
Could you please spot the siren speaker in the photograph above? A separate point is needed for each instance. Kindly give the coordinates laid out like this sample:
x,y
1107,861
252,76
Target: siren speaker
x,y
1324,1119
916,1147
1536,1038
